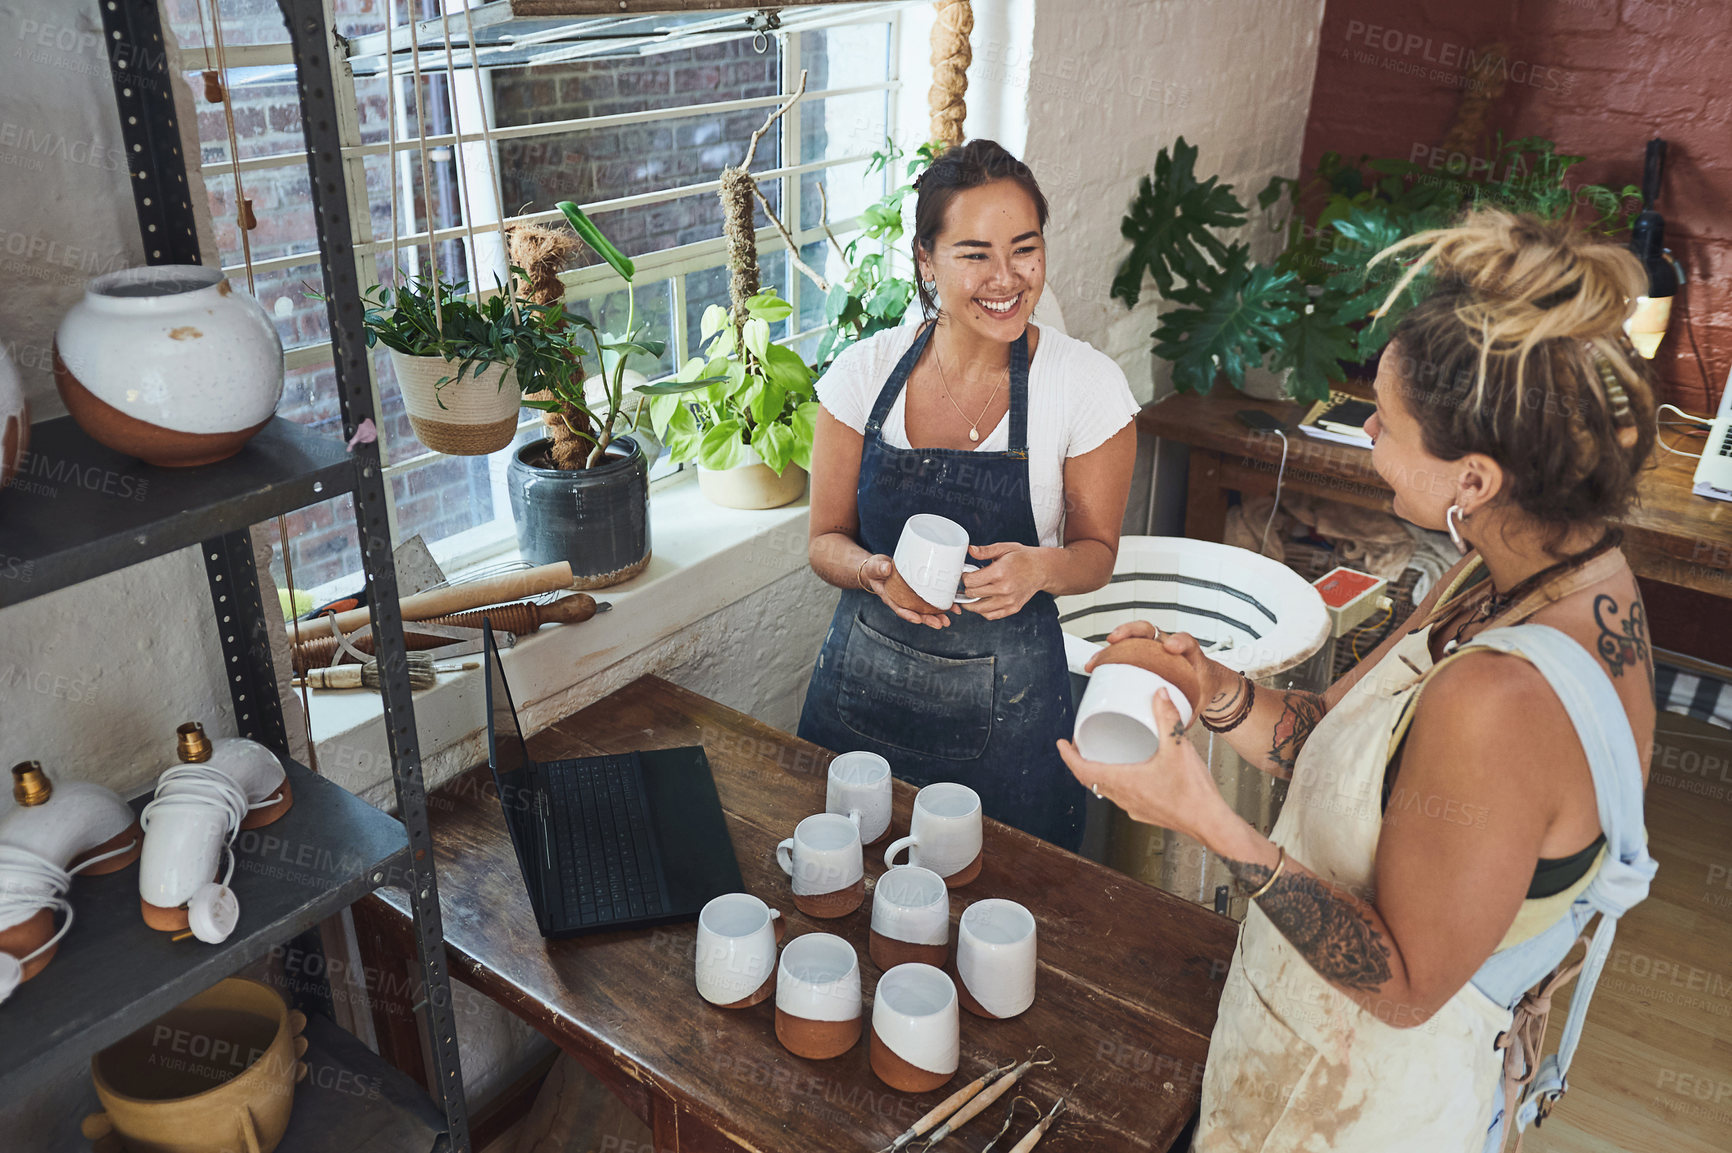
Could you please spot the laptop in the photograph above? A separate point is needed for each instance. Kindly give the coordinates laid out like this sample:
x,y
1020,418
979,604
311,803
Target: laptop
x,y
609,842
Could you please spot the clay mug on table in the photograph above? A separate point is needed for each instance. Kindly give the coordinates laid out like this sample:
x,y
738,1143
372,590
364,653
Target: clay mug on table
x,y
823,858
818,1010
859,788
995,958
930,557
944,834
910,918
916,1030
736,950
1115,720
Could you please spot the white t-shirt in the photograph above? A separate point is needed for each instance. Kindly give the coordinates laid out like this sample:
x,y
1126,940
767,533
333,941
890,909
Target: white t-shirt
x,y
1077,399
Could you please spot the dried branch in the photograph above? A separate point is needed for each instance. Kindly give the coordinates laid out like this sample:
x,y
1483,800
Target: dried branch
x,y
752,148
824,222
793,249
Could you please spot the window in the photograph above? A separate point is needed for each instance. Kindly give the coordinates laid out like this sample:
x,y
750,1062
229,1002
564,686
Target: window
x,y
635,125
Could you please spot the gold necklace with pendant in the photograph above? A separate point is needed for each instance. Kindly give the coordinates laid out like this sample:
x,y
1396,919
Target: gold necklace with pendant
x,y
973,425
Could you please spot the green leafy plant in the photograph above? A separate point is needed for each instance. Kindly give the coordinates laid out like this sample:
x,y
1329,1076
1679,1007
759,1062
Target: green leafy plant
x,y
873,297
745,393
1309,312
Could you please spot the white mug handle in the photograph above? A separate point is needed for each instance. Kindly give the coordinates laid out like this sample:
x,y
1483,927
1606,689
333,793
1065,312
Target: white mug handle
x,y
854,815
785,856
909,843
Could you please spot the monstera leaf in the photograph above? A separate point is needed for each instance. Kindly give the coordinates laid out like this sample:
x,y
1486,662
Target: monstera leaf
x,y
1360,287
1169,225
1314,345
1227,322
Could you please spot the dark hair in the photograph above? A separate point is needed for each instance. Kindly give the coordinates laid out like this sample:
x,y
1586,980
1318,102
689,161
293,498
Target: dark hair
x,y
1519,353
956,170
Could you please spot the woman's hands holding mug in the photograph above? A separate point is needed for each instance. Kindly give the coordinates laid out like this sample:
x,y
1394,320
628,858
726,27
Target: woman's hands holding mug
x,y
1172,789
875,574
1001,588
1215,681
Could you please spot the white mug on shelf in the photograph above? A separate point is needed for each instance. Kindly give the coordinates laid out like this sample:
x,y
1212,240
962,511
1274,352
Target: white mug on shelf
x,y
736,951
859,788
1115,720
823,860
995,957
944,834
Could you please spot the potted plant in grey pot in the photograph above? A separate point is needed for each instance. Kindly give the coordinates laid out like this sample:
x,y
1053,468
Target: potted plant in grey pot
x,y
581,494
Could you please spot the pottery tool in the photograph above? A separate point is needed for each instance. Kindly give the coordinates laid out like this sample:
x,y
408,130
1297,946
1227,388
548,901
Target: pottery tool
x,y
978,1104
422,674
1033,1136
456,598
1009,1116
515,618
946,1107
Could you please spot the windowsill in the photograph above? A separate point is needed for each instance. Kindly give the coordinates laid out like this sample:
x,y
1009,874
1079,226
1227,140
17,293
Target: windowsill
x,y
703,559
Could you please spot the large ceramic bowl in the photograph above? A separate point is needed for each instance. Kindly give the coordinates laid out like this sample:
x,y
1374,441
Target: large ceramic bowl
x,y
169,363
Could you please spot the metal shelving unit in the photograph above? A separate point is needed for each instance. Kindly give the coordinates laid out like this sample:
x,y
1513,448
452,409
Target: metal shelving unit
x,y
111,973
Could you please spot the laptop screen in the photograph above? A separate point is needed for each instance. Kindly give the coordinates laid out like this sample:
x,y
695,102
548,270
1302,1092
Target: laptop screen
x,y
506,751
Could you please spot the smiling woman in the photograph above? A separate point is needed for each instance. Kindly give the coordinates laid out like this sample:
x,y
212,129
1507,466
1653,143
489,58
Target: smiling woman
x,y
1022,437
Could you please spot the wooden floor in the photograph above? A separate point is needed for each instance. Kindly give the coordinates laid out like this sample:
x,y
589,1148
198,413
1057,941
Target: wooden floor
x,y
1654,1070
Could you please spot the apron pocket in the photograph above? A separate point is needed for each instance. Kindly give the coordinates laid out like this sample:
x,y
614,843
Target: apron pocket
x,y
899,696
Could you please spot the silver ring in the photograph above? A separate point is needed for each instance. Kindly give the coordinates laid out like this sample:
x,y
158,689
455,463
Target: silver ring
x,y
1096,790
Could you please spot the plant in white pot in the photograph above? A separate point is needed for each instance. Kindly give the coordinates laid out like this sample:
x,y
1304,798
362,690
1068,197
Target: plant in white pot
x,y
744,411
463,364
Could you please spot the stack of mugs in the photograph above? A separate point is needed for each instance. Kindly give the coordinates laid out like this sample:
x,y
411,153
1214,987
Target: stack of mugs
x,y
816,983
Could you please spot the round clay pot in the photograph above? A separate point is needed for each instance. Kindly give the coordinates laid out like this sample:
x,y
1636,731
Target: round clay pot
x,y
14,421
751,485
1150,655
169,364
469,417
595,518
217,1073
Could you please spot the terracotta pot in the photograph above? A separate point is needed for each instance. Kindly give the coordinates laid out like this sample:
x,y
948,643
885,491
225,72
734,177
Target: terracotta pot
x,y
469,417
751,485
1147,654
216,1074
14,421
169,364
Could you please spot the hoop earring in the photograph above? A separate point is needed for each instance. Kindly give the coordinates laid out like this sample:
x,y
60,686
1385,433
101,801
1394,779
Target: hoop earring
x,y
929,286
1449,518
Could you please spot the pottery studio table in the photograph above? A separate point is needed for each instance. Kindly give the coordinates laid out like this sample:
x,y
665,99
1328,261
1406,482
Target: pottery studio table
x,y
1671,535
1126,990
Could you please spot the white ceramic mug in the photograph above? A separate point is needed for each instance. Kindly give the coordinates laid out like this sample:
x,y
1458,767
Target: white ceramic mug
x,y
944,834
859,789
916,1029
818,996
824,860
930,556
736,951
1115,720
910,918
995,947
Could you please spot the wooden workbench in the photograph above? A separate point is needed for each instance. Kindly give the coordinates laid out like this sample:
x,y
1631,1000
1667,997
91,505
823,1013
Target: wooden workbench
x,y
1126,992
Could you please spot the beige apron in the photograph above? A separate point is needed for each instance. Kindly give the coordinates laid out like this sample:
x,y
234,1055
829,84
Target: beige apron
x,y
1295,1064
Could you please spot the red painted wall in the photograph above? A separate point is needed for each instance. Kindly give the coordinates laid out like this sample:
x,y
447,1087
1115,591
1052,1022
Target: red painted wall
x,y
1599,77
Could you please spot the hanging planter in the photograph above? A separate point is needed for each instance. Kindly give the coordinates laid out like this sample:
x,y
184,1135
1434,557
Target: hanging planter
x,y
471,415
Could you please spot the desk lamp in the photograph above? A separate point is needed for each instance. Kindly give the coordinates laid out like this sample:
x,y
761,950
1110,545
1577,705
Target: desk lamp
x,y
1647,325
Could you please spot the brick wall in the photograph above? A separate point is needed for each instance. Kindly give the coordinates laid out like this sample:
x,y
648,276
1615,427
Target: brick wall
x,y
1600,77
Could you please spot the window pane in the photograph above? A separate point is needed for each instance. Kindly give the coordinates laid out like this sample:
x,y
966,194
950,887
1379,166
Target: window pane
x,y
710,286
654,306
845,57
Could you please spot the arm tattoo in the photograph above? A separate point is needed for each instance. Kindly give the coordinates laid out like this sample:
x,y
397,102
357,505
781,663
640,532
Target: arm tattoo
x,y
1300,712
1222,704
1324,925
1623,642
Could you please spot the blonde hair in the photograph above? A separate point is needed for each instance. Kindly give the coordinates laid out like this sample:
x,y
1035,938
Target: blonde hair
x,y
1518,352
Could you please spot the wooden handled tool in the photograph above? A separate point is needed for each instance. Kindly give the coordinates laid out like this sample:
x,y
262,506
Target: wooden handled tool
x,y
473,594
980,1101
421,674
519,617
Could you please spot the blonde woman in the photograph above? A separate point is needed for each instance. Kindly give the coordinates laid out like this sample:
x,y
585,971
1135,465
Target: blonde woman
x,y
1467,799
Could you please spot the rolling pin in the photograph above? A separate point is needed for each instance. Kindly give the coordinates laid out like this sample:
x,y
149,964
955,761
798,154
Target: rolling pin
x,y
474,594
521,617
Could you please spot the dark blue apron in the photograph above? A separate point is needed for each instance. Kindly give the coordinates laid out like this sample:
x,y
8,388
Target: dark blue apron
x,y
980,702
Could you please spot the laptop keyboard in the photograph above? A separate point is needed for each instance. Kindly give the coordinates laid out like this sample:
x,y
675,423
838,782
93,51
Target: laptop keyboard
x,y
607,865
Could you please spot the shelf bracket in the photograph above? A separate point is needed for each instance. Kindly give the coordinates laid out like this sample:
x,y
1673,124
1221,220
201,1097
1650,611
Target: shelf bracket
x,y
246,639
144,95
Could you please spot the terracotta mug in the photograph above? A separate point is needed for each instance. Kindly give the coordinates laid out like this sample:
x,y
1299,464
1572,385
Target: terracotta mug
x,y
1115,720
995,958
930,556
916,1030
735,961
818,1011
823,858
944,834
910,918
859,788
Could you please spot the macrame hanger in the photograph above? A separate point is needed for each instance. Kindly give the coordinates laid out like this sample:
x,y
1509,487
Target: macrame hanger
x,y
391,139
244,217
486,133
457,151
426,175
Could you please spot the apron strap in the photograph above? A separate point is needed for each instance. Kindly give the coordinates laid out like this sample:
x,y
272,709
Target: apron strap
x,y
898,377
905,368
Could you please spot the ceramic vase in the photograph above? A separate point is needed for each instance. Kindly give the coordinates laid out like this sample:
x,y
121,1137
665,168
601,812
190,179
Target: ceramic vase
x,y
169,363
595,518
14,421
752,485
469,417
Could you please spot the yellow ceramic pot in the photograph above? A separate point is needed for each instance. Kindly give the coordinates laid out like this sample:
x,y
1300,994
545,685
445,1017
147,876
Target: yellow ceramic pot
x,y
216,1074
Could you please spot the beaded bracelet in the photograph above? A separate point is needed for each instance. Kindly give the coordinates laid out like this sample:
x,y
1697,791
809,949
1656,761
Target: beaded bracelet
x,y
1239,714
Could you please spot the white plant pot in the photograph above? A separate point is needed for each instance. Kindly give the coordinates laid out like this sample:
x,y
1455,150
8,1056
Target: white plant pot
x,y
169,363
469,417
751,485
